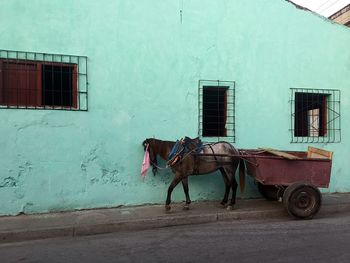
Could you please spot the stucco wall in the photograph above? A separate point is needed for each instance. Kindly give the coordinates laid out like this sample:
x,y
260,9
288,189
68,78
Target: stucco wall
x,y
145,59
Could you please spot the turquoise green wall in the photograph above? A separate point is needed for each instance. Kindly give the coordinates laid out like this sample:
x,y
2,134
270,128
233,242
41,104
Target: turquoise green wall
x,y
144,64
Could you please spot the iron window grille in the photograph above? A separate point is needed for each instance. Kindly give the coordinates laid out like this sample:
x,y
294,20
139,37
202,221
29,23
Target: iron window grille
x,y
216,104
31,80
315,116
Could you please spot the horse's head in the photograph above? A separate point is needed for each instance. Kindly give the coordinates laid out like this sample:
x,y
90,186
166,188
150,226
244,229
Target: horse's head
x,y
149,145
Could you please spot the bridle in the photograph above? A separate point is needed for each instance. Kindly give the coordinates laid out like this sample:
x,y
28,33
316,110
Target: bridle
x,y
154,164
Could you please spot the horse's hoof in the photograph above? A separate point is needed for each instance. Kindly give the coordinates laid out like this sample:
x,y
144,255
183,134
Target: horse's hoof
x,y
167,207
229,207
186,207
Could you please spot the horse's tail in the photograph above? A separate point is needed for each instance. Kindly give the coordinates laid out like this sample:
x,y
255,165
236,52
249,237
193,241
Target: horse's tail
x,y
241,175
241,169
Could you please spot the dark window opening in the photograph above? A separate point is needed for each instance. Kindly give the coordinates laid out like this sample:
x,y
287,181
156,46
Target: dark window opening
x,y
310,114
315,115
57,85
214,111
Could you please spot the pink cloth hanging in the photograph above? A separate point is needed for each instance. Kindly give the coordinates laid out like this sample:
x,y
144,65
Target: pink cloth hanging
x,y
145,163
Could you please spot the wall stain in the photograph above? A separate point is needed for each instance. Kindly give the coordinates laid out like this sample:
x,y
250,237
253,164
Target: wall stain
x,y
92,156
88,160
24,169
94,180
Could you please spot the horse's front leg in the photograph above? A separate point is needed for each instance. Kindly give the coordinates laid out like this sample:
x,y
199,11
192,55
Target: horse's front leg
x,y
173,184
234,191
234,183
186,191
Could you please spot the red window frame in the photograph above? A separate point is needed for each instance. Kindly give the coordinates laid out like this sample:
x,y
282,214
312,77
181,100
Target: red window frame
x,y
20,86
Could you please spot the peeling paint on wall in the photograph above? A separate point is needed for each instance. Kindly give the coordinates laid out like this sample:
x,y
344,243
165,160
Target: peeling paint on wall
x,y
9,182
17,179
98,172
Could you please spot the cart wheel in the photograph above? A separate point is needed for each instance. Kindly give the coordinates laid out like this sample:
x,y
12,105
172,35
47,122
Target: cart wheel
x,y
270,192
302,200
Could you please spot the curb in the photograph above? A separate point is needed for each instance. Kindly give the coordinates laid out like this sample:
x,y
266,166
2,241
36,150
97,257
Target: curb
x,y
135,225
334,209
156,222
25,235
144,224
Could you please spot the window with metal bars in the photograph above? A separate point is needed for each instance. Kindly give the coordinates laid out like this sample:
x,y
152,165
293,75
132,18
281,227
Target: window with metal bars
x,y
315,116
42,81
216,110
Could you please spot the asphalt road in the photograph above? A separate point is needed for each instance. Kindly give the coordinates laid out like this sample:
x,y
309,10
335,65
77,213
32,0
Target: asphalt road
x,y
280,240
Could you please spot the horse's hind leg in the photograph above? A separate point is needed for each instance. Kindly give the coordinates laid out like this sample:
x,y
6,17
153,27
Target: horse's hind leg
x,y
227,186
186,191
231,183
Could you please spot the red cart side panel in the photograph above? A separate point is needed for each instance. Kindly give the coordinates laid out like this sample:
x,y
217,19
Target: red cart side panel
x,y
271,170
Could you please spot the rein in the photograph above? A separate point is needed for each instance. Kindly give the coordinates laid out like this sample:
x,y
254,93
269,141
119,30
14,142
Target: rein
x,y
194,150
158,167
241,155
154,164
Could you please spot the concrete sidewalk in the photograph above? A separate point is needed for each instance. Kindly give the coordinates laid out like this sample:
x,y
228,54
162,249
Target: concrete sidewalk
x,y
99,221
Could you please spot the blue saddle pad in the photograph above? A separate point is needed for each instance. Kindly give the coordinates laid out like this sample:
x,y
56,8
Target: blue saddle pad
x,y
181,148
177,148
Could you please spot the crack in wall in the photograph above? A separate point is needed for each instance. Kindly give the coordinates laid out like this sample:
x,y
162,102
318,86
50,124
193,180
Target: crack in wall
x,y
43,122
24,208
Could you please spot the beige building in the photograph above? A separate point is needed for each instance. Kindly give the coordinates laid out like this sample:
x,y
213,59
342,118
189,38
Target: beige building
x,y
342,16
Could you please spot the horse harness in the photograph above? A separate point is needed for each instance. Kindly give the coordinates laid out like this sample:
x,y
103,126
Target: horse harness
x,y
182,149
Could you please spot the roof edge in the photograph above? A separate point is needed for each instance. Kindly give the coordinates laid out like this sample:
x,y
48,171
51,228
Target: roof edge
x,y
299,6
326,19
340,12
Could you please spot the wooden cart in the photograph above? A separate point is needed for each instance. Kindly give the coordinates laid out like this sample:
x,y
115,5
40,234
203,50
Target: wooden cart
x,y
293,177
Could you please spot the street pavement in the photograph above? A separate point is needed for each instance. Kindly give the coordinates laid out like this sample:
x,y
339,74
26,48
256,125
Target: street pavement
x,y
325,238
101,221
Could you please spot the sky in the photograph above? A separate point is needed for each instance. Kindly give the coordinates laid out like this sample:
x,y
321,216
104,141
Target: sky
x,y
323,7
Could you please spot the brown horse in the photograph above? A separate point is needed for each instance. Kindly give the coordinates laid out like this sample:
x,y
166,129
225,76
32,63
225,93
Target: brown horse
x,y
218,156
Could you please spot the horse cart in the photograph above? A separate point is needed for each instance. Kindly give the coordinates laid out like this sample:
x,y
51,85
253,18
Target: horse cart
x,y
292,177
